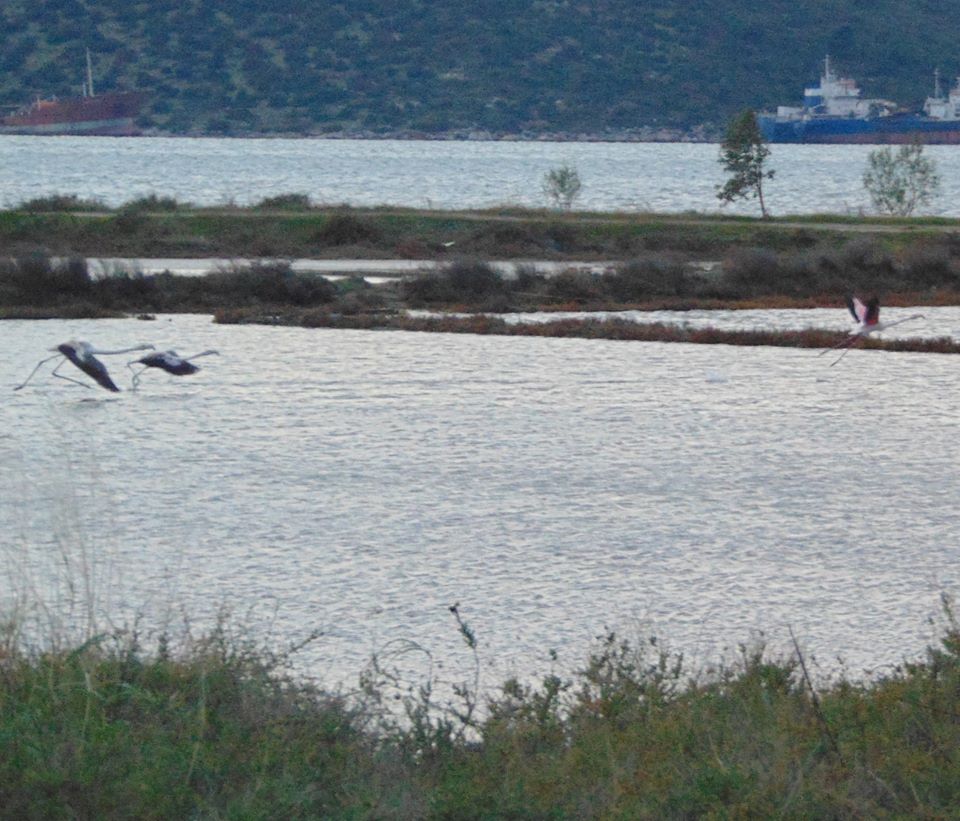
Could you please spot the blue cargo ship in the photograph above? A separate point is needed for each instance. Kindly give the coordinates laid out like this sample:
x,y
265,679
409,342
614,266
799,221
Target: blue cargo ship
x,y
834,112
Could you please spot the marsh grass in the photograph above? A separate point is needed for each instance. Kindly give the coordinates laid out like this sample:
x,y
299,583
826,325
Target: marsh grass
x,y
615,329
217,726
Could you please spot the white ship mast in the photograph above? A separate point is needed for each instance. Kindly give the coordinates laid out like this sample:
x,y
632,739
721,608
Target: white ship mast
x,y
940,106
88,86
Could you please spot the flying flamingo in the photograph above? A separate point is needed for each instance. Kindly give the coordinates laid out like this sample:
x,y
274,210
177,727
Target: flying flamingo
x,y
169,361
84,356
868,321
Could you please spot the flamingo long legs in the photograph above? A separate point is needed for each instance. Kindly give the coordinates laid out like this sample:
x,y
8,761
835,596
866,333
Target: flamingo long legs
x,y
68,378
37,368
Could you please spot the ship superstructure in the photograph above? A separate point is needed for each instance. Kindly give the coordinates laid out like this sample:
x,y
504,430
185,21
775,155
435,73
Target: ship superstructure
x,y
836,112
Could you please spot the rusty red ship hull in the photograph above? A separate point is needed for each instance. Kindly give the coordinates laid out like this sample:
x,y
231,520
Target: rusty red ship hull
x,y
110,114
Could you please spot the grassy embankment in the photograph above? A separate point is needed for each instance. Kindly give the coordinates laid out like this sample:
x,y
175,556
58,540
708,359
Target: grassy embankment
x,y
217,729
657,262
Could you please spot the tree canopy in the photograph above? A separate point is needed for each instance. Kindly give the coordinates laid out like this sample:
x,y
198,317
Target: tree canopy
x,y
744,155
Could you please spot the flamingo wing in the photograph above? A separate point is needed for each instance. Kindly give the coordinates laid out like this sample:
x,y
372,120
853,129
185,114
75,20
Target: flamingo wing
x,y
873,312
91,366
170,362
857,309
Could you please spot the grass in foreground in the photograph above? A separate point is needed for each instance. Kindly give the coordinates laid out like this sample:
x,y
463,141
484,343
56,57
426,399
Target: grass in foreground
x,y
217,729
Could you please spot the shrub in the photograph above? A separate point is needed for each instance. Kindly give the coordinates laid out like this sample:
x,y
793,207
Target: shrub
x,y
37,278
654,276
929,265
505,240
361,300
528,279
472,278
62,202
151,203
426,289
576,286
286,202
563,237
867,264
346,229
128,288
751,271
461,281
270,282
561,186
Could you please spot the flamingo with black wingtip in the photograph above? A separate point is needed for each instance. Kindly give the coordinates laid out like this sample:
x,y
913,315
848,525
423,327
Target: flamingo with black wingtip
x,y
169,361
84,356
867,317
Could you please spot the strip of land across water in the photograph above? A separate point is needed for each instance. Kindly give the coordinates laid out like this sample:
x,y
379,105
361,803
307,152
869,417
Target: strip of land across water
x,y
651,261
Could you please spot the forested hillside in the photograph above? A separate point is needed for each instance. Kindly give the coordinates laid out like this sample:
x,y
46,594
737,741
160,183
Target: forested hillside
x,y
598,67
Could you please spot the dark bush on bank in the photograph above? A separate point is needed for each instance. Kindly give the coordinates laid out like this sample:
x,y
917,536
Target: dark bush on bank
x,y
152,203
564,237
751,271
346,229
269,283
931,265
37,279
859,265
133,288
653,276
508,239
462,281
430,288
576,286
474,279
62,202
528,280
357,296
286,202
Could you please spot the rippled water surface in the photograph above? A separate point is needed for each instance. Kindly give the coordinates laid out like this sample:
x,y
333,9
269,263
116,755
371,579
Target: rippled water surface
x,y
362,482
664,177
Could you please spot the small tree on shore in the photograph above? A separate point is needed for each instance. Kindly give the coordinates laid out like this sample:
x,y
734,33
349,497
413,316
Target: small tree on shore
x,y
744,154
899,183
562,186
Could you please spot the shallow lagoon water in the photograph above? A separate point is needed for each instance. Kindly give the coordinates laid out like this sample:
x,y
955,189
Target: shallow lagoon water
x,y
360,483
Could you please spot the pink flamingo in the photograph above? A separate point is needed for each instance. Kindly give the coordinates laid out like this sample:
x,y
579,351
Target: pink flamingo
x,y
867,317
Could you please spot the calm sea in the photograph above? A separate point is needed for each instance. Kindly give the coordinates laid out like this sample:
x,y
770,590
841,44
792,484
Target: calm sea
x,y
360,483
664,177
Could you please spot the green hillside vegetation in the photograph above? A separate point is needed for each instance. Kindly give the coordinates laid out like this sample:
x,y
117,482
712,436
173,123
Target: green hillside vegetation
x,y
609,67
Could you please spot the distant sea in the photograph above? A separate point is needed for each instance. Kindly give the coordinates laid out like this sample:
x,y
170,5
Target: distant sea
x,y
660,177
